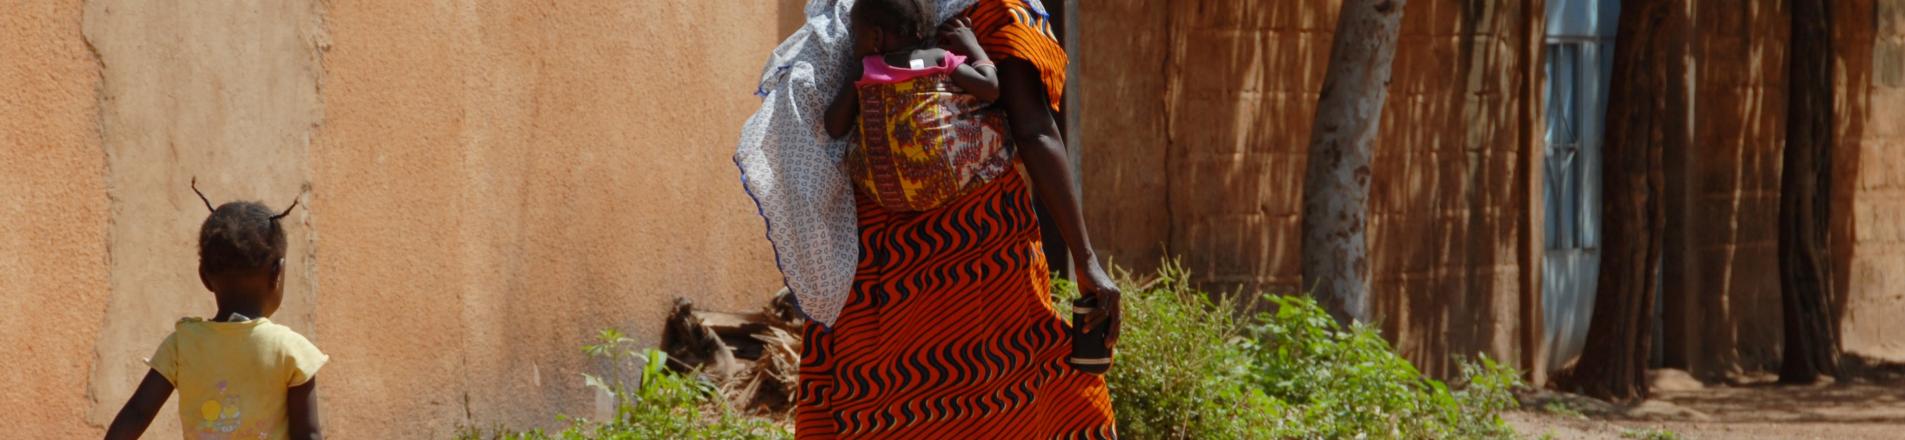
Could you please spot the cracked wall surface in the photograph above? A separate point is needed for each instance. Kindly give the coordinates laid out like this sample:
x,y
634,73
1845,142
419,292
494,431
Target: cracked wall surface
x,y
223,92
53,209
499,180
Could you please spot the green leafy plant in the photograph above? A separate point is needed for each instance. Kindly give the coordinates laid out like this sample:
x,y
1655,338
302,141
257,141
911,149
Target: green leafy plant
x,y
1192,366
1179,372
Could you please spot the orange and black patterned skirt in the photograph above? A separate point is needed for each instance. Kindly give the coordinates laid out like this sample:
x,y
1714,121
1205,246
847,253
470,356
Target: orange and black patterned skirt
x,y
949,333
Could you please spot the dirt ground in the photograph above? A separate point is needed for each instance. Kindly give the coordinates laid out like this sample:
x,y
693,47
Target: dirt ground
x,y
1871,407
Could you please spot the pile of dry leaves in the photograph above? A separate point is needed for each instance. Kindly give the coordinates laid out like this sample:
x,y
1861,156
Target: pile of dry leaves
x,y
754,358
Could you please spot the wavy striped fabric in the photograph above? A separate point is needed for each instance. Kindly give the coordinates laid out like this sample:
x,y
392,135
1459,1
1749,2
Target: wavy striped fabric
x,y
1022,29
949,332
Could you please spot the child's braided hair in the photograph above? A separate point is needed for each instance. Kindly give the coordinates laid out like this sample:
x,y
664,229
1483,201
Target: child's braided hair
x,y
908,17
240,236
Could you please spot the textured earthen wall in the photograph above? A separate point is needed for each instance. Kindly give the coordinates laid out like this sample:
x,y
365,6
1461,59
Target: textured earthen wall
x,y
1123,55
53,208
496,181
493,183
1217,176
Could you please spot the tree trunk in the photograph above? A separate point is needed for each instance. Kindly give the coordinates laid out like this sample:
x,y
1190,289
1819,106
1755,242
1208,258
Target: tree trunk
x,y
1811,347
1336,186
1646,115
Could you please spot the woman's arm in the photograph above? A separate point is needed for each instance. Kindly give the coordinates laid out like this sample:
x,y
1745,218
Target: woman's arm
x,y
300,405
1042,149
133,419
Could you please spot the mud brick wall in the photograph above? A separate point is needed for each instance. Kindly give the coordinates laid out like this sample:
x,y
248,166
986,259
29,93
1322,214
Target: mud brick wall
x,y
1448,212
1729,319
1872,172
1197,120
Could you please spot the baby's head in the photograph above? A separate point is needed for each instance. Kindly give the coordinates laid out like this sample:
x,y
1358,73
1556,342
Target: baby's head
x,y
241,251
893,23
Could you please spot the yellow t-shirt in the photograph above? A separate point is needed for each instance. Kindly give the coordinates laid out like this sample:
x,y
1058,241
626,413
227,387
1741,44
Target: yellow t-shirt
x,y
231,377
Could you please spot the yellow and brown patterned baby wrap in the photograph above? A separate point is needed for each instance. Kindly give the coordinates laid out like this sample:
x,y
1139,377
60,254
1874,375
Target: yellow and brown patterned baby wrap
x,y
923,140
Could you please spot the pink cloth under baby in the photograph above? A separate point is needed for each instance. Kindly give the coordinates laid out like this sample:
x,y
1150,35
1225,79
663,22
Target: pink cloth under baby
x,y
878,72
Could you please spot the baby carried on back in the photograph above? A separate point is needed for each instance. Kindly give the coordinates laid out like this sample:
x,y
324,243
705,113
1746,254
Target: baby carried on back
x,y
928,130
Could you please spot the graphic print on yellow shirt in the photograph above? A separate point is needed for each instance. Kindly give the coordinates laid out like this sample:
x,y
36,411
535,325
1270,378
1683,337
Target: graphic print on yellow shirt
x,y
231,377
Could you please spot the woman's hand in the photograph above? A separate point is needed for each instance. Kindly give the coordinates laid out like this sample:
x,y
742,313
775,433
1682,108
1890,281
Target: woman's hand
x,y
957,35
1093,282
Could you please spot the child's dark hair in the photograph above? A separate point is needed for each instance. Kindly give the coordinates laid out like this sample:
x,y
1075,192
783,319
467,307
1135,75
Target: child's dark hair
x,y
906,17
240,236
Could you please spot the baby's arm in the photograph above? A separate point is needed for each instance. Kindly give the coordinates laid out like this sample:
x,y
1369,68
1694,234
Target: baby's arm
x,y
981,81
978,76
846,105
300,404
843,110
139,410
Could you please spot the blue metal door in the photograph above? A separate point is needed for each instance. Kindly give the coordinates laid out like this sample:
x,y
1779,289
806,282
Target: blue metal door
x,y
1580,45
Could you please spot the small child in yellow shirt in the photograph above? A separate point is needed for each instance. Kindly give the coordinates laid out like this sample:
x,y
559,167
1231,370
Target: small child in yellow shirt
x,y
238,375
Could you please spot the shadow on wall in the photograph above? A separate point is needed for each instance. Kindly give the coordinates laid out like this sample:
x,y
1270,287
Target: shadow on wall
x,y
1446,218
1730,312
1733,177
1853,34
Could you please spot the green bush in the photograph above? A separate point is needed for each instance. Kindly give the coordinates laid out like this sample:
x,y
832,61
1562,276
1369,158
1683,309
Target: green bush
x,y
651,402
1189,367
1179,371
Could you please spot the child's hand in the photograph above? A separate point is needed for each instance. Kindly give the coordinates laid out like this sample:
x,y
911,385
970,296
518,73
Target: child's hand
x,y
957,35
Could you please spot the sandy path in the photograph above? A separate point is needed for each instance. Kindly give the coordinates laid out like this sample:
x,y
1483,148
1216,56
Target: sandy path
x,y
1855,411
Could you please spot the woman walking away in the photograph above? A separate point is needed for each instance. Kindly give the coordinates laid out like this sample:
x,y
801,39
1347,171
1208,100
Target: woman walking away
x,y
948,330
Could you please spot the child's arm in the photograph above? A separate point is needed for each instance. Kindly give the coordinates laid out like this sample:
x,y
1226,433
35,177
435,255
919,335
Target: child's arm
x,y
846,105
300,404
981,81
139,410
978,76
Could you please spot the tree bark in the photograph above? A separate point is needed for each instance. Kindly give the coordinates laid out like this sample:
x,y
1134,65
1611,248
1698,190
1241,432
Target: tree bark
x,y
1646,116
1336,186
1811,346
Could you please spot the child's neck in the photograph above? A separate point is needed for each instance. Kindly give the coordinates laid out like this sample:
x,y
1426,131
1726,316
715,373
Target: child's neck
x,y
237,314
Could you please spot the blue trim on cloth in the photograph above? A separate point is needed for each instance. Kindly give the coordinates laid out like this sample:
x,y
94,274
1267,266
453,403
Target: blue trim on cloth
x,y
761,210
